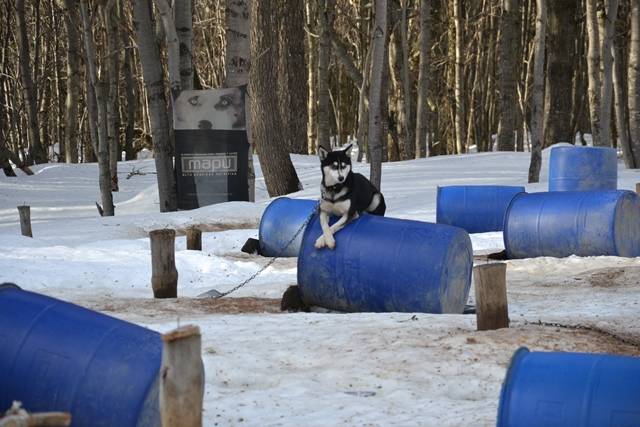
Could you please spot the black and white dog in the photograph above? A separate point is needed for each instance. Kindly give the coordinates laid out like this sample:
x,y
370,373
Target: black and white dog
x,y
344,193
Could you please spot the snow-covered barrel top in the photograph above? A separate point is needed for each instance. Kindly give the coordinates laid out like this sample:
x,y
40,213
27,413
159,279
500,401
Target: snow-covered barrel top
x,y
387,264
56,356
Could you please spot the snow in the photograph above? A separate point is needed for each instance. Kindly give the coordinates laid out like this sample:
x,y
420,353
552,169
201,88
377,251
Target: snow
x,y
265,368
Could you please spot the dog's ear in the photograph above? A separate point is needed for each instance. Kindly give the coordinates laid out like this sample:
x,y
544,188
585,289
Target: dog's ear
x,y
347,150
322,152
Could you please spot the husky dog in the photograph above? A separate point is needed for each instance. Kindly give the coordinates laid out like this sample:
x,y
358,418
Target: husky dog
x,y
344,193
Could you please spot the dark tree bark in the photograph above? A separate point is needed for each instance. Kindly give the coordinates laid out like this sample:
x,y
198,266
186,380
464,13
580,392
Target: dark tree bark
x,y
537,96
37,152
292,78
266,122
378,59
561,33
184,28
423,81
508,44
144,25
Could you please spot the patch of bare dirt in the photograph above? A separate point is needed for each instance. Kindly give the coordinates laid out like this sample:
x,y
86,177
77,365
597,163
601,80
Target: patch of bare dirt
x,y
220,226
183,306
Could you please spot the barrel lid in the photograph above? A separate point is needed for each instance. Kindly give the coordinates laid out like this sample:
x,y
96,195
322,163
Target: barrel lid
x,y
505,229
507,386
4,286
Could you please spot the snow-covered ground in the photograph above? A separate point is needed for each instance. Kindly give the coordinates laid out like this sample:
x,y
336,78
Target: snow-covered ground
x,y
267,368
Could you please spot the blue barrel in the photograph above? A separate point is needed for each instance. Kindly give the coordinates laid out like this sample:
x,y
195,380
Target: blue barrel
x,y
476,208
583,169
570,389
584,223
280,222
56,356
386,264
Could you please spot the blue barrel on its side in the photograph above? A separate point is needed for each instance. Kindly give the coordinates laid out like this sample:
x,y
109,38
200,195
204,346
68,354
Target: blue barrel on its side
x,y
570,389
56,356
386,264
583,169
476,208
584,223
280,222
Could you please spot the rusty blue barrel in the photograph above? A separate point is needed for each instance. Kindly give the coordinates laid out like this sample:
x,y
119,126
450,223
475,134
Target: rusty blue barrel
x,y
570,389
56,356
584,223
281,220
384,264
574,168
476,208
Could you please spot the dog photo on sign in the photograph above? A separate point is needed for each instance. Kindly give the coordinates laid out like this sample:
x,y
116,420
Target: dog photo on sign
x,y
217,109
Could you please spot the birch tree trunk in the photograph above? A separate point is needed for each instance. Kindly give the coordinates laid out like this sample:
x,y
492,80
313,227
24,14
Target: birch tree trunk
x,y
407,84
459,78
238,64
99,88
634,81
71,20
325,21
423,81
378,59
312,67
184,27
173,46
37,152
157,103
609,19
507,50
537,92
593,66
266,123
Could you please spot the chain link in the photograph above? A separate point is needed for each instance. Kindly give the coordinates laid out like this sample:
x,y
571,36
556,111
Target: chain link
x,y
272,260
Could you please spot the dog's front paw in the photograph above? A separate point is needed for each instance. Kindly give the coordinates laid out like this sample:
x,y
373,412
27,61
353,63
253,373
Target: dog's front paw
x,y
331,243
320,243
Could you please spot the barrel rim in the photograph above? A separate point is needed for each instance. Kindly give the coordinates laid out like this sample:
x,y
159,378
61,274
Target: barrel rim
x,y
588,148
624,194
269,206
505,229
507,385
8,285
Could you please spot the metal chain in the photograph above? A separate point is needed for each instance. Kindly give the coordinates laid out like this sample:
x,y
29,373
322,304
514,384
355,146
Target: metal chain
x,y
272,260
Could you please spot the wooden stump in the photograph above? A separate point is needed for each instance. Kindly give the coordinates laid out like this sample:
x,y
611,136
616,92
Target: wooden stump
x,y
194,239
25,220
164,276
181,378
637,187
490,281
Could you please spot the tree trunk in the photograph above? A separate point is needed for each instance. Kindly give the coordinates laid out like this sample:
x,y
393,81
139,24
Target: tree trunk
x,y
99,88
184,28
325,20
562,32
634,81
378,58
609,19
111,18
292,78
130,97
423,82
37,152
312,67
266,123
173,46
73,83
621,102
537,95
508,64
593,64
407,84
238,64
157,103
459,78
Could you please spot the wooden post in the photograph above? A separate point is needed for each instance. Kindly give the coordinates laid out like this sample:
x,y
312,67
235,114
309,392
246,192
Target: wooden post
x,y
194,239
181,378
25,220
490,282
164,276
637,187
